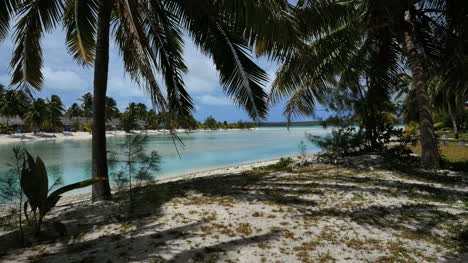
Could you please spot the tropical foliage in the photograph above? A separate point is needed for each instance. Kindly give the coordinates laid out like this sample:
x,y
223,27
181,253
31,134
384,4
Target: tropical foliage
x,y
136,165
149,35
35,185
365,45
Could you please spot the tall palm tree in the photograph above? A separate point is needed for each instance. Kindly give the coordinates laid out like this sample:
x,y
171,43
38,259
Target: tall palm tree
x,y
149,36
450,100
13,103
87,104
2,92
36,116
111,108
74,111
141,111
55,110
346,43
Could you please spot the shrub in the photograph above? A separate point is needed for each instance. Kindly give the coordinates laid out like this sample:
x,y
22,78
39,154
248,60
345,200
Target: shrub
x,y
282,164
392,143
35,185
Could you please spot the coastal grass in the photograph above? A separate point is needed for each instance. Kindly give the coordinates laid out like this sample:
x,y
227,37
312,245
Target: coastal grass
x,y
454,156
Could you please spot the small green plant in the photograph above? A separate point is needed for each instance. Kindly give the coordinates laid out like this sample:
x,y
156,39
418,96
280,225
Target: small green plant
x,y
35,185
282,164
10,188
136,163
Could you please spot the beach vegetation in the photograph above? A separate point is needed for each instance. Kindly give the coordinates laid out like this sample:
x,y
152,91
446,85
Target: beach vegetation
x,y
390,142
282,164
13,103
137,166
11,192
210,123
357,46
34,183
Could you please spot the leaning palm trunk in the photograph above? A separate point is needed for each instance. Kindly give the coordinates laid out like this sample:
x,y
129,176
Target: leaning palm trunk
x,y
429,150
454,120
101,190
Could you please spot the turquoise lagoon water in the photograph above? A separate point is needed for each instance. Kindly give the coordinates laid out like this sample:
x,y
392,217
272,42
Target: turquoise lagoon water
x,y
71,159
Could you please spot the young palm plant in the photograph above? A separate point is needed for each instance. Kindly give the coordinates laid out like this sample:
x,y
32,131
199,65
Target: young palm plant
x,y
348,43
149,34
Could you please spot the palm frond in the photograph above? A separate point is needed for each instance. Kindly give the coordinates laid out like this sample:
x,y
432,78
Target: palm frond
x,y
224,42
80,19
166,40
314,66
35,18
7,11
138,62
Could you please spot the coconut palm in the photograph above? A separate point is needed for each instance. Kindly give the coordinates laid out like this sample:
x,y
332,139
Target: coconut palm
x,y
141,111
111,108
152,120
449,100
36,116
87,104
149,36
74,111
13,103
347,43
55,110
2,92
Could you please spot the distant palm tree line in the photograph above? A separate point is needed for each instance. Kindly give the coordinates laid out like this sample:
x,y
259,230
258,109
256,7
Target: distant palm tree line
x,y
45,115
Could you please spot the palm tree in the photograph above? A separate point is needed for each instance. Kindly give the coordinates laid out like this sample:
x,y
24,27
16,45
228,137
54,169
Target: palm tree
x,y
36,116
87,104
346,43
13,103
152,119
2,92
111,108
74,111
55,109
450,100
141,111
149,35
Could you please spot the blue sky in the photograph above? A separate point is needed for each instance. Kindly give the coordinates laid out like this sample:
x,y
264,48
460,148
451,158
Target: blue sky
x,y
66,78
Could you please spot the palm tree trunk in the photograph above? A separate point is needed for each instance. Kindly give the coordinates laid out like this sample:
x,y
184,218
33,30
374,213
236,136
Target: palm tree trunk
x,y
454,120
429,150
101,190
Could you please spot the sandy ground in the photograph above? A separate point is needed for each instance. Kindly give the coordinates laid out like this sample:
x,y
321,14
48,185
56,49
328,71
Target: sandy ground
x,y
320,213
32,137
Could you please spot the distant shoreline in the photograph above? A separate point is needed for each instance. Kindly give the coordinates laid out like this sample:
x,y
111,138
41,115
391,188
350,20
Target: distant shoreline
x,y
62,136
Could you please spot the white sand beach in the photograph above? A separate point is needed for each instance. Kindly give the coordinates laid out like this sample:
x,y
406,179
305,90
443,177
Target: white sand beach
x,y
318,213
42,136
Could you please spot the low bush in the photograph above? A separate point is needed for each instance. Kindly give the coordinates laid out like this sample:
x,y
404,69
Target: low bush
x,y
390,142
282,164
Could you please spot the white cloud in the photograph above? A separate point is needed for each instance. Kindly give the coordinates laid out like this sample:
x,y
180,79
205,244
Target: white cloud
x,y
66,80
213,100
202,76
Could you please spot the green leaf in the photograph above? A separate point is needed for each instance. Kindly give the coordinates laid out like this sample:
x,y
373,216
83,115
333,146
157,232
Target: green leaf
x,y
42,182
36,18
55,196
80,21
28,183
76,186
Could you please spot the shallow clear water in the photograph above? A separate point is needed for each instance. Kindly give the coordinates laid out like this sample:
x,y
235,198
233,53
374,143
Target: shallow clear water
x,y
203,150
